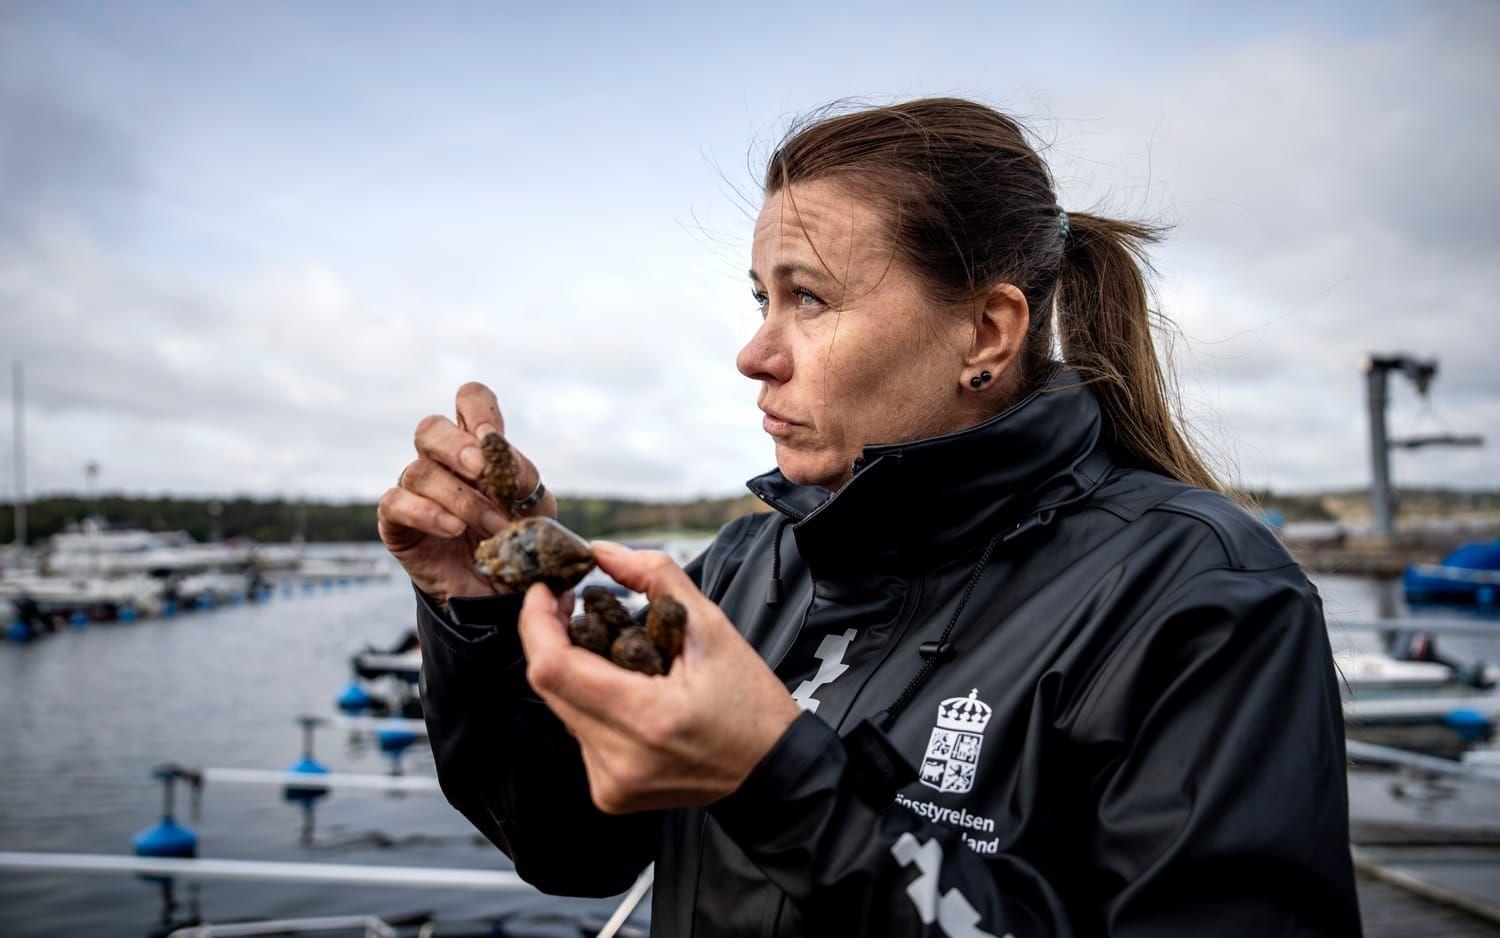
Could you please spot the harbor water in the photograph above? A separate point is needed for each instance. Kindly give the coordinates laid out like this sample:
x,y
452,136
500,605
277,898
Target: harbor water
x,y
86,714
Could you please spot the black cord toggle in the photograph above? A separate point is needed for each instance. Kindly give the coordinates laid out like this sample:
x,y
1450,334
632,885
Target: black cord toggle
x,y
937,651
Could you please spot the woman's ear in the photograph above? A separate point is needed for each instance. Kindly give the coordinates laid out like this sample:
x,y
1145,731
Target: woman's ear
x,y
999,329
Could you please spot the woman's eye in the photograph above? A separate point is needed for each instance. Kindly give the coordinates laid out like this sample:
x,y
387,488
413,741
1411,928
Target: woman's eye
x,y
760,300
806,300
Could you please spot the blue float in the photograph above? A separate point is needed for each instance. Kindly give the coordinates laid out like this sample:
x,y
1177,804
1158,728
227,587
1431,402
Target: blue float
x,y
170,608
126,614
78,619
355,699
1468,576
307,765
20,631
1470,725
166,838
394,740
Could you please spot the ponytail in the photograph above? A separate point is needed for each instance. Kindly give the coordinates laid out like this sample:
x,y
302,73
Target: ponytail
x,y
1104,326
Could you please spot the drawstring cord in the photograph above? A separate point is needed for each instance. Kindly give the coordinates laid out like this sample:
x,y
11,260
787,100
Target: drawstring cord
x,y
942,650
773,591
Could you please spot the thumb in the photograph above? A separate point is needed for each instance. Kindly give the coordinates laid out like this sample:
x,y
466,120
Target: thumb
x,y
645,571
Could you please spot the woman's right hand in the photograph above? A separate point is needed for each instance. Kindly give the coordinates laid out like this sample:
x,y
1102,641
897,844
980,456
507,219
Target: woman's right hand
x,y
437,513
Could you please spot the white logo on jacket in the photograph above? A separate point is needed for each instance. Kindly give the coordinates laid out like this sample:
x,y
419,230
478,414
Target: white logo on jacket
x,y
953,748
952,910
830,655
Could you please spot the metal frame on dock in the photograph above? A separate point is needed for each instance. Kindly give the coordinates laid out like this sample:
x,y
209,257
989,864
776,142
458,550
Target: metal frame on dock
x,y
264,870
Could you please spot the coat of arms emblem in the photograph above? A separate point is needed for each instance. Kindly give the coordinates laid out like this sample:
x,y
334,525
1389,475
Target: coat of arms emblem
x,y
953,749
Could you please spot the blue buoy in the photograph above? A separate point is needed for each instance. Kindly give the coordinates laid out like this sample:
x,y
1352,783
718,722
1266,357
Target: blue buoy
x,y
1471,725
170,608
166,838
394,740
126,614
206,601
78,619
287,591
355,699
1486,596
20,631
307,765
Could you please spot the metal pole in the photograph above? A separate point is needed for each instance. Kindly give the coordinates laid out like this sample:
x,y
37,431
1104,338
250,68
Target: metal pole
x,y
1380,452
20,428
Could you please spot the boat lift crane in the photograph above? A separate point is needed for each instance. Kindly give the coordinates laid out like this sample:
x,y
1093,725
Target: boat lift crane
x,y
1421,373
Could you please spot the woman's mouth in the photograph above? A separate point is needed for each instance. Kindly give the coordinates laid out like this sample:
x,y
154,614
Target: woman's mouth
x,y
775,424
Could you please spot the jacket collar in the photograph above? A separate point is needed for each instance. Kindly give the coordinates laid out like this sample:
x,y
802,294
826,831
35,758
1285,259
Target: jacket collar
x,y
910,504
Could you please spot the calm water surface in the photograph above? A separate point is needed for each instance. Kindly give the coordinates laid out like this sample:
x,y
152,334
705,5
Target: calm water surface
x,y
84,715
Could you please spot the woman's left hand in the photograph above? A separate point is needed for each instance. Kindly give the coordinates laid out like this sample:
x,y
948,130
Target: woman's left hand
x,y
687,738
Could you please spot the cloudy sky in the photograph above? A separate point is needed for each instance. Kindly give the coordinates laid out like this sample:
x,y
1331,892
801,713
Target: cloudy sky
x,y
245,247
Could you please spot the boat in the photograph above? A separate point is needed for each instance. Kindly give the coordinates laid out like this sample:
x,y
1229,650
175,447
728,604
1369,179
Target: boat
x,y
1468,576
95,551
89,597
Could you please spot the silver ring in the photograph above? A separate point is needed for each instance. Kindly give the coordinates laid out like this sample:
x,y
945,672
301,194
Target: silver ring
x,y
401,479
530,501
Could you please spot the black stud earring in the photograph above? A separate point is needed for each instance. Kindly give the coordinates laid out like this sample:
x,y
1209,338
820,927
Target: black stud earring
x,y
974,382
985,376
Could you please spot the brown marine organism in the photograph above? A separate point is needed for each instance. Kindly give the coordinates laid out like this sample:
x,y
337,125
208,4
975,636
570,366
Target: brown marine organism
x,y
532,550
589,632
664,625
539,550
599,602
607,628
635,650
500,470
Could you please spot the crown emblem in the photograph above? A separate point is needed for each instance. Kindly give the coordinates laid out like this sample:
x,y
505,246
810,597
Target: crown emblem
x,y
964,713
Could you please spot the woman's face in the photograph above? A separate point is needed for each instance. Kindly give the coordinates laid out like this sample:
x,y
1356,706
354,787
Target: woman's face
x,y
849,352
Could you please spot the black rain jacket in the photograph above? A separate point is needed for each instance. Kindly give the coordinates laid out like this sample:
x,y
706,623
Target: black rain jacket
x,y
1132,728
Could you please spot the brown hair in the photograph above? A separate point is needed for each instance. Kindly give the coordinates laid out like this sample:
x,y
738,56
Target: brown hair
x,y
972,204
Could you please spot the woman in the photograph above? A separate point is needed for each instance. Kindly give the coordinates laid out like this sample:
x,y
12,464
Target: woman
x,y
1001,659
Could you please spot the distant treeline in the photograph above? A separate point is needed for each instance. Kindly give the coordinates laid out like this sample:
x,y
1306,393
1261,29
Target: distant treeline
x,y
278,520
1343,504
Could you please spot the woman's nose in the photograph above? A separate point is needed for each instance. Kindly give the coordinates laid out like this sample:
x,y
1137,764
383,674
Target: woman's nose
x,y
763,358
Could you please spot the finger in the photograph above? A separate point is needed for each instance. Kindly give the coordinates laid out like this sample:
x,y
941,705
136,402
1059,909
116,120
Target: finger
x,y
435,483
404,508
527,477
645,571
477,410
568,676
440,441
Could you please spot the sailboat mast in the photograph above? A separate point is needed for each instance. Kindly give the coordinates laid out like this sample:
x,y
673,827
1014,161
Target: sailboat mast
x,y
20,452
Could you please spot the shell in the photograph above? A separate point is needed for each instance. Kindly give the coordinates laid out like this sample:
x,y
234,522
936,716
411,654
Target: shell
x,y
535,550
664,624
588,632
500,470
600,604
635,650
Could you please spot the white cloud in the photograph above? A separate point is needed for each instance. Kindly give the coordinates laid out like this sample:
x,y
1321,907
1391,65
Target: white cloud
x,y
204,306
